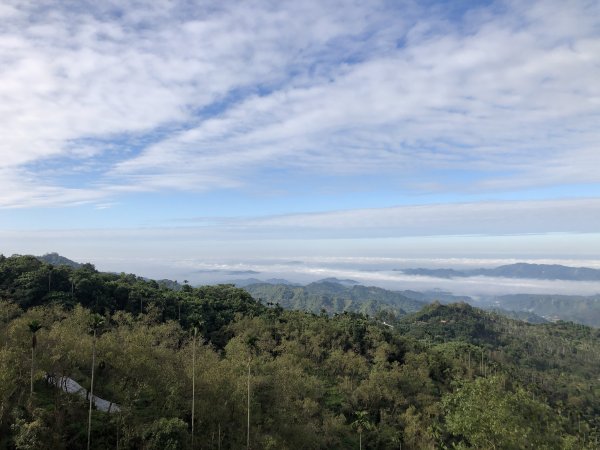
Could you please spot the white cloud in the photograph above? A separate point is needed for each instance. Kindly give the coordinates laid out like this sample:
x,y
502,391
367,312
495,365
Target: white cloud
x,y
497,218
445,101
19,189
171,95
484,218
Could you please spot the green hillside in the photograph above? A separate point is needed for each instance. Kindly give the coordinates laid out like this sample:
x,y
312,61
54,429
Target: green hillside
x,y
447,376
336,298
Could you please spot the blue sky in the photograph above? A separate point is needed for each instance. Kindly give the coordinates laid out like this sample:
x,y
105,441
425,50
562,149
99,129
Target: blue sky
x,y
275,123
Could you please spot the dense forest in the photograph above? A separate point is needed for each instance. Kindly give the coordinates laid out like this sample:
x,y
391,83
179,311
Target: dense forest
x,y
335,297
212,368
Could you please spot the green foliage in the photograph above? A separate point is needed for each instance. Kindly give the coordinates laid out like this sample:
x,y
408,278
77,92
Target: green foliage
x,y
484,414
446,376
336,298
34,326
442,323
166,434
31,435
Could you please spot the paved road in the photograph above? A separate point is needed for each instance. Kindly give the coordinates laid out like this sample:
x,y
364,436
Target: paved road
x,y
72,387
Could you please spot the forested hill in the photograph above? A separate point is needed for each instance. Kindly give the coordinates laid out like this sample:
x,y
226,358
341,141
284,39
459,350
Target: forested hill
x,y
447,376
334,298
58,260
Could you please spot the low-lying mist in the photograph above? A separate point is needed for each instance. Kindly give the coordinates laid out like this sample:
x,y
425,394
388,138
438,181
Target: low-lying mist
x,y
382,272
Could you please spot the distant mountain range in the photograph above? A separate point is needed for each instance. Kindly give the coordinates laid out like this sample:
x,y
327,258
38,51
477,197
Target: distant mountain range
x,y
574,308
437,295
518,270
336,298
248,281
343,295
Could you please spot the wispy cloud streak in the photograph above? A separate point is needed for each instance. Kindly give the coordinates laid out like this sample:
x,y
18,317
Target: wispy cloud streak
x,y
174,96
484,218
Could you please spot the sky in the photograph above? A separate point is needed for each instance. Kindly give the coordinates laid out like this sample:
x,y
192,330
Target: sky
x,y
187,132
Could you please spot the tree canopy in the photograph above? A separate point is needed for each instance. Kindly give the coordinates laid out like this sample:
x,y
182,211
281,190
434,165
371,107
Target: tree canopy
x,y
449,376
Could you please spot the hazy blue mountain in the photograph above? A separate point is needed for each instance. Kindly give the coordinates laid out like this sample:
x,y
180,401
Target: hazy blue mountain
x,y
575,308
228,272
437,295
543,272
248,281
170,284
58,260
524,316
281,281
345,282
438,273
518,270
242,272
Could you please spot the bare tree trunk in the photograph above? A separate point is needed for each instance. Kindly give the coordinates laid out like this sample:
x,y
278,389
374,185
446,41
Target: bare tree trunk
x,y
193,384
118,429
32,369
91,392
248,433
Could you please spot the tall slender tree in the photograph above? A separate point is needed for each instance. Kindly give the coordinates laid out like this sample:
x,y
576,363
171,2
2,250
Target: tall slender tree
x,y
193,381
251,343
96,322
50,269
34,327
248,429
361,424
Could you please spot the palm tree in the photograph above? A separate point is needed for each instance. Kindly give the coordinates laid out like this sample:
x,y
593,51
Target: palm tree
x,y
251,342
248,427
96,321
50,269
34,327
361,424
193,381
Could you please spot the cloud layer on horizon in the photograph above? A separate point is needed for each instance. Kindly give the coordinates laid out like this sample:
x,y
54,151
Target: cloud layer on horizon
x,y
111,98
569,217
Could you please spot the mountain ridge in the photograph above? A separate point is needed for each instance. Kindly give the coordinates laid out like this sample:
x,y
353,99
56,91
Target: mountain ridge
x,y
335,298
517,270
